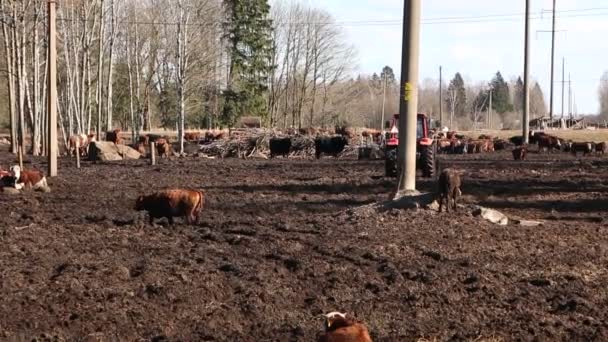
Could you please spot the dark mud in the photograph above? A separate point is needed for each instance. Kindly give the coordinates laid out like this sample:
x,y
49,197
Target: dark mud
x,y
277,246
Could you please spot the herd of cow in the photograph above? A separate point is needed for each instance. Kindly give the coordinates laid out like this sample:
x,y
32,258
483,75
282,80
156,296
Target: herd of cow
x,y
162,143
453,143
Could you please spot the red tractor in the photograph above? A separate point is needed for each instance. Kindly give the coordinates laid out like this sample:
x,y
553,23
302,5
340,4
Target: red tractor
x,y
425,147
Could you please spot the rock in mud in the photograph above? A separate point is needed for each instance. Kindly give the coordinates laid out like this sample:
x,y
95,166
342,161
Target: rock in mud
x,y
492,215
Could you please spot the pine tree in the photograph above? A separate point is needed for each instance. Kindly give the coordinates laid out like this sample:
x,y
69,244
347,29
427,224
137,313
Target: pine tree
x,y
457,96
388,74
249,31
501,99
518,95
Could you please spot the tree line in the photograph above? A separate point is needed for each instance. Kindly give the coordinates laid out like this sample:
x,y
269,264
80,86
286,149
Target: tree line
x,y
173,64
140,65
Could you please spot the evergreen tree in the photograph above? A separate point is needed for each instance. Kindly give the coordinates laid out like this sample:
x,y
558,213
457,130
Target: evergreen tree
x,y
388,74
501,99
518,95
456,93
249,31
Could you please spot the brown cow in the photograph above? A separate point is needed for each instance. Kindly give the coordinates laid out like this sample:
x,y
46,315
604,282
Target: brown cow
x,y
192,136
520,153
172,203
32,179
163,148
449,188
548,142
114,136
341,328
601,148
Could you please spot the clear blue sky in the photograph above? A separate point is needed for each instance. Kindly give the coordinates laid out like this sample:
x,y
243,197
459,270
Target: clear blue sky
x,y
487,36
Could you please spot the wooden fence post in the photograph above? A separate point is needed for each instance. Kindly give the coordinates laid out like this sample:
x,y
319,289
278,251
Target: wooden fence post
x,y
153,153
78,153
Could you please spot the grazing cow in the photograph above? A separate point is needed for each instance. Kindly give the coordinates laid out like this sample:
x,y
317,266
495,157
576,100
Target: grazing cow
x,y
533,136
520,153
459,147
449,188
601,148
585,147
192,136
280,146
549,143
372,134
32,179
114,136
500,144
341,328
330,145
163,147
444,145
172,203
83,141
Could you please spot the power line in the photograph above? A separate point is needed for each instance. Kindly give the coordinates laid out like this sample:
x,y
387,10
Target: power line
x,y
490,18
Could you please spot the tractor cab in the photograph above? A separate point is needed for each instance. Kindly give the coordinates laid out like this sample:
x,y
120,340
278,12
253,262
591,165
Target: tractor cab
x,y
425,147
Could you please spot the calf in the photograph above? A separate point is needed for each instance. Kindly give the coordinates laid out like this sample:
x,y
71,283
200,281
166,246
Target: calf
x,y
601,148
163,147
449,188
114,136
332,146
82,141
520,153
280,146
32,179
172,203
585,147
341,328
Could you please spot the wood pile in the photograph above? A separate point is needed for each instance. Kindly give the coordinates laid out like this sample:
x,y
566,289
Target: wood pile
x,y
255,143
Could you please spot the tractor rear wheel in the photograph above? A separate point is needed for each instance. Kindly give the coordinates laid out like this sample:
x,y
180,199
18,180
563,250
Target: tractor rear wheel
x,y
427,159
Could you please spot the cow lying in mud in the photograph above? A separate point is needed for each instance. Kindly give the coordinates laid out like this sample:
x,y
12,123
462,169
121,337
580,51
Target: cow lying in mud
x,y
172,203
449,189
32,179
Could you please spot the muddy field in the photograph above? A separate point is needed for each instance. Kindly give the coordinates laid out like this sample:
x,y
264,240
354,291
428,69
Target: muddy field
x,y
279,244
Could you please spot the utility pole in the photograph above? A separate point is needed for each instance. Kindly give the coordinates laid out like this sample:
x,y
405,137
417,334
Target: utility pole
x,y
552,63
440,96
490,110
52,91
383,102
563,83
408,99
569,96
526,118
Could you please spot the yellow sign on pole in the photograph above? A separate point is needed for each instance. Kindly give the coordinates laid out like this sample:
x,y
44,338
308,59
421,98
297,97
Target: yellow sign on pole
x,y
409,89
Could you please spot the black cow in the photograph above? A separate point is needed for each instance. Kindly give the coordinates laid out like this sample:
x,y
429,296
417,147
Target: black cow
x,y
280,146
330,145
